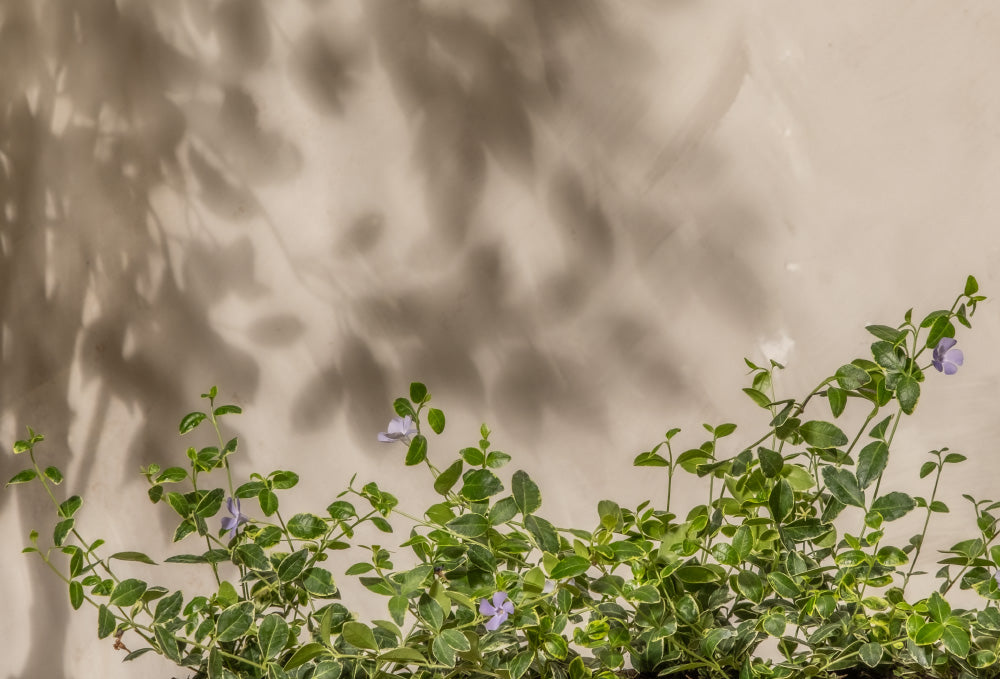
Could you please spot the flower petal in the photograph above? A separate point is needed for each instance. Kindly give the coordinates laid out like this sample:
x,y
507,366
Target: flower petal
x,y
499,598
229,506
485,608
955,356
945,344
493,623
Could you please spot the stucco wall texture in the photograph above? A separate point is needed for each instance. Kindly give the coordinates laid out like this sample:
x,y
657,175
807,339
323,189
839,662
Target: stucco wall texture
x,y
572,219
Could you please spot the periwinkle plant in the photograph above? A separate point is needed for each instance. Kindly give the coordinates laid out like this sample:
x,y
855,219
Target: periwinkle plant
x,y
490,588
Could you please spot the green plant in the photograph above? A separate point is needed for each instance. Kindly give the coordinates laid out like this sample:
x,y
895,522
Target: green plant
x,y
490,588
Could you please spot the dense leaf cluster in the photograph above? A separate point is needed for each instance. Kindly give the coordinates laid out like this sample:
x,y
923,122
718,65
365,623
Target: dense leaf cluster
x,y
771,554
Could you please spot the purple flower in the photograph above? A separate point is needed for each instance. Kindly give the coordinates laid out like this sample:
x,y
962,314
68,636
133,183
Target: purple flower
x,y
946,358
498,610
400,429
238,518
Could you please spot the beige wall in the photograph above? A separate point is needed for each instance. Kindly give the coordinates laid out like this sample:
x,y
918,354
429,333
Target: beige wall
x,y
571,219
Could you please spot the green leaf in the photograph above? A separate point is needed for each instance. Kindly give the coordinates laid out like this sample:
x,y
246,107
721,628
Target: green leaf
x,y
179,504
61,530
473,456
23,476
418,392
928,634
133,556
851,377
649,459
327,669
971,286
430,611
872,461
497,459
884,332
938,608
758,397
893,505
227,410
268,502
751,586
697,574
283,480
844,486
105,622
319,582
503,511
982,659
70,506
543,532
306,653
773,623
569,567
209,503
397,608
822,434
871,653
940,328
891,556
403,655
525,493
306,526
292,565
417,451
169,607
53,475
435,418
771,462
190,421
75,594
167,643
359,635
783,584
186,558
743,542
272,635
341,509
444,653
127,592
469,525
838,400
252,556
908,393
456,640
403,408
781,500
481,484
520,664
446,480
234,622
172,475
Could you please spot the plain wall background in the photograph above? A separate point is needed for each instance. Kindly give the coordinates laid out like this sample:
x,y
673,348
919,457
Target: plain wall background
x,y
571,219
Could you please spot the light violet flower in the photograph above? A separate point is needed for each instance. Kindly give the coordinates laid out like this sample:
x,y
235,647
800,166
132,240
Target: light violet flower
x,y
500,608
946,358
996,576
238,518
400,429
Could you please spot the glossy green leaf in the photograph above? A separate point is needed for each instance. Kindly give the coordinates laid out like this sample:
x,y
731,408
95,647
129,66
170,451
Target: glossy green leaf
x,y
305,653
127,592
168,607
469,525
190,421
75,594
928,633
227,410
781,500
318,582
23,476
132,556
871,653
837,399
435,418
446,480
268,502
822,434
403,655
292,565
416,452
697,574
105,622
851,377
359,635
783,584
234,622
272,635
893,505
525,493
283,480
543,532
70,506
167,643
570,567
872,461
306,526
480,484
843,485
908,393
327,669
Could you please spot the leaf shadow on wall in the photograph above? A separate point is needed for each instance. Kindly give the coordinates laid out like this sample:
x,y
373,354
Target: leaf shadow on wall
x,y
110,117
487,96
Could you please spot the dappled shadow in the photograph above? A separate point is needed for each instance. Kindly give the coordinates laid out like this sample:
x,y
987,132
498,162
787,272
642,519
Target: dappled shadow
x,y
113,121
524,318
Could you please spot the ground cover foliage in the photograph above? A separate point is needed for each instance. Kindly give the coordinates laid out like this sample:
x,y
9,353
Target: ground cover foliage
x,y
480,584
